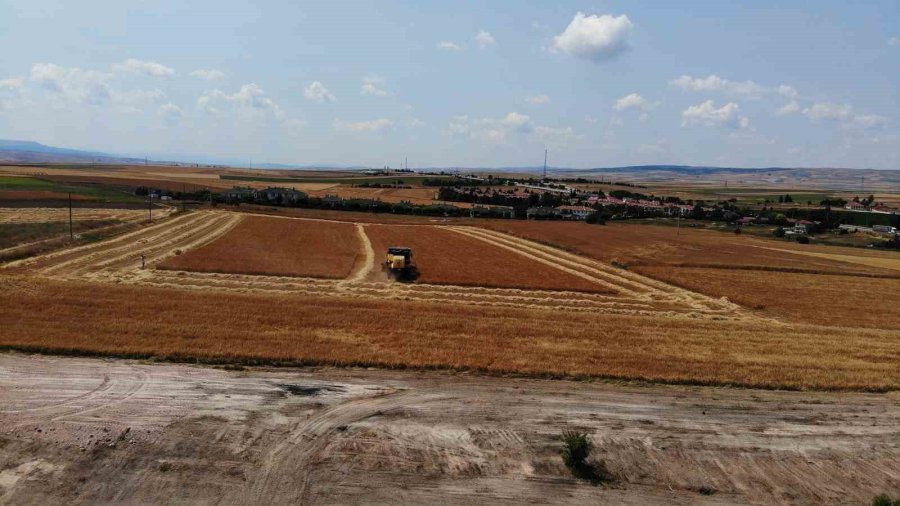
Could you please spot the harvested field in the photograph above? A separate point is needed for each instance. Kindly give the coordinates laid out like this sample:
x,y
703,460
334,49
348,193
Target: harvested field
x,y
205,324
660,245
344,216
886,260
445,257
61,214
821,299
273,246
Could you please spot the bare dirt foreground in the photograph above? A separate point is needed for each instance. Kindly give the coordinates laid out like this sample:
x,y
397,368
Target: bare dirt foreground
x,y
79,430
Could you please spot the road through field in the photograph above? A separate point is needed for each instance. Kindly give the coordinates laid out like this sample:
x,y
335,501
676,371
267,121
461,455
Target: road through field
x,y
82,431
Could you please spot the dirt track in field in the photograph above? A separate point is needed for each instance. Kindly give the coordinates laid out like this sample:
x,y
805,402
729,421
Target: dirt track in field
x,y
82,431
118,260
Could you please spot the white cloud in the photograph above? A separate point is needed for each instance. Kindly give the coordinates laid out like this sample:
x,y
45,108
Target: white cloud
x,y
250,99
550,136
866,122
449,46
828,111
73,84
713,82
147,68
708,115
170,112
459,125
538,100
490,130
894,41
590,119
485,39
12,84
788,108
631,101
373,85
208,74
135,101
415,123
374,125
318,92
10,92
595,38
787,91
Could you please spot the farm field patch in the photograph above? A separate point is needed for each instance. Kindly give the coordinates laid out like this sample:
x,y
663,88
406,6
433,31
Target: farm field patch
x,y
273,246
446,257
61,214
48,315
659,245
821,299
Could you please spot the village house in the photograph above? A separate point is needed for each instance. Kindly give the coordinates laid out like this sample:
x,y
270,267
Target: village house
x,y
277,194
541,213
574,212
239,193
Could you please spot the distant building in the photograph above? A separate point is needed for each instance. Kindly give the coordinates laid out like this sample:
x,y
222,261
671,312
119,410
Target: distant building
x,y
574,212
855,206
239,193
541,213
276,194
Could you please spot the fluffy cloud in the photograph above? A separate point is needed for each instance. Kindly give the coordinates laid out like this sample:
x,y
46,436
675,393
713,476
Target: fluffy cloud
x,y
707,114
549,136
373,85
147,68
485,39
595,38
490,130
170,112
828,111
538,100
631,101
866,122
374,125
415,123
449,46
250,99
894,41
208,74
788,108
747,89
318,93
10,91
74,84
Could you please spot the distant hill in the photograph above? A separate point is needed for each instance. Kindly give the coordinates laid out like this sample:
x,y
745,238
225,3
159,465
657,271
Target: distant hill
x,y
34,152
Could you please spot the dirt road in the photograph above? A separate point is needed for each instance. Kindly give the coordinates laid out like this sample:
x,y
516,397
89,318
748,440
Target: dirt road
x,y
77,430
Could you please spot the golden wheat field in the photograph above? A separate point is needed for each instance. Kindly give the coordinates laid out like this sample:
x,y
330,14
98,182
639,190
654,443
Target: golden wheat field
x,y
230,286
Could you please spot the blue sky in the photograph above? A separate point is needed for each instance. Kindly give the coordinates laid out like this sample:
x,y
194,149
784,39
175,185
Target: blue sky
x,y
600,83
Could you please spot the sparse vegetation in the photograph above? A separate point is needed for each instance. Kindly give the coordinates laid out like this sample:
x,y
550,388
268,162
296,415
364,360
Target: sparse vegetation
x,y
885,500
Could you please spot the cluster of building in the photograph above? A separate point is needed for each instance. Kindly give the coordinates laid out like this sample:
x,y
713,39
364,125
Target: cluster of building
x,y
271,194
877,207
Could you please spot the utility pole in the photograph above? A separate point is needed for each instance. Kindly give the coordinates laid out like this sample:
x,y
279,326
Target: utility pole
x,y
71,233
545,164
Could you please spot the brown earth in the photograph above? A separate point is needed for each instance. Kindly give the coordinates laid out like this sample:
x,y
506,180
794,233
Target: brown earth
x,y
445,257
272,246
87,431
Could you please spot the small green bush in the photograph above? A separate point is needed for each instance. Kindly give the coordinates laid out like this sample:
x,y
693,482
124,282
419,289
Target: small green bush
x,y
885,500
576,450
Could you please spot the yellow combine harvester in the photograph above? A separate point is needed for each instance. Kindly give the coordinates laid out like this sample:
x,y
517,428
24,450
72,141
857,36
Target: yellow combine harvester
x,y
399,263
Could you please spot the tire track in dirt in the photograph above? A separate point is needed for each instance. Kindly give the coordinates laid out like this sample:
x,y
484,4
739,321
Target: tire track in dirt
x,y
295,456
